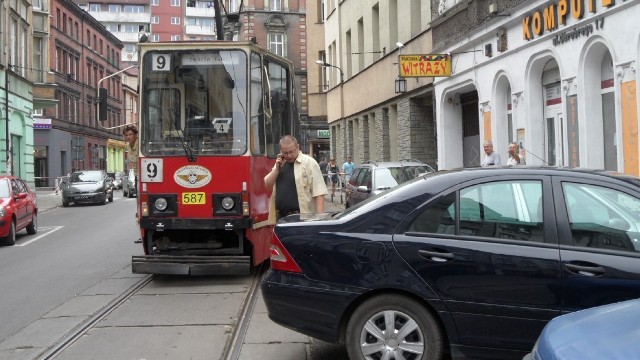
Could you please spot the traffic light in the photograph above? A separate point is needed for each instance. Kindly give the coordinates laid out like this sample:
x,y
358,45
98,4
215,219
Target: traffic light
x,y
103,96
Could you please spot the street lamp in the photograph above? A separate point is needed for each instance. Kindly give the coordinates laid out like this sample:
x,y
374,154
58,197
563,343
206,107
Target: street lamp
x,y
401,85
326,64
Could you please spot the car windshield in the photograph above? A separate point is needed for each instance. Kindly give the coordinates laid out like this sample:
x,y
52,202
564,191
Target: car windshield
x,y
197,99
4,189
85,177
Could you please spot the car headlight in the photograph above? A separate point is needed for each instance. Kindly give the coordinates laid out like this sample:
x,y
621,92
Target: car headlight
x,y
2,212
160,204
228,203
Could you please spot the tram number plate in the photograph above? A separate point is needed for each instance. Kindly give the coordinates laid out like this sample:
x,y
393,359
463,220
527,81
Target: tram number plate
x,y
193,198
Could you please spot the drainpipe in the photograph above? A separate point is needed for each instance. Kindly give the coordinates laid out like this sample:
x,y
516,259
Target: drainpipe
x,y
6,119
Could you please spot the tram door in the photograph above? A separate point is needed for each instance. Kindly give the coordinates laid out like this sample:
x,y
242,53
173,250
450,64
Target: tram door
x,y
553,125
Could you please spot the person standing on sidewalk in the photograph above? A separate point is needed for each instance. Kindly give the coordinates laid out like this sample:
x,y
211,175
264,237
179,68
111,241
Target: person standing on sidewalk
x,y
295,181
348,168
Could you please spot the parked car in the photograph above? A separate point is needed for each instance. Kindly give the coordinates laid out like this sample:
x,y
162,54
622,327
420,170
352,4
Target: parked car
x,y
371,178
18,209
129,184
87,186
603,332
469,262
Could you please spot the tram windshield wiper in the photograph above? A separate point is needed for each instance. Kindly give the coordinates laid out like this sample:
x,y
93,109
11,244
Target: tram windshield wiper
x,y
191,157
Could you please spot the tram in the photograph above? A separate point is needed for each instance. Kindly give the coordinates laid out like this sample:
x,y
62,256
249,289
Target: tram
x,y
211,116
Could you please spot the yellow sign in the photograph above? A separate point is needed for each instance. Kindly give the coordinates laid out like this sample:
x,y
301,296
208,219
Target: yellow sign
x,y
428,65
193,198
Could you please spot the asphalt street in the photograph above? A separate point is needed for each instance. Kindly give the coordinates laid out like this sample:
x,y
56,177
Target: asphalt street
x,y
264,339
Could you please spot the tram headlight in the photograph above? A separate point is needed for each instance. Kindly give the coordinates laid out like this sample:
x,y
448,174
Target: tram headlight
x,y
160,204
228,203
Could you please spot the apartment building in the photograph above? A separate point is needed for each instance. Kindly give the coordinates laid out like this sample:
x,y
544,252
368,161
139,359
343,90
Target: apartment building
x,y
82,53
358,68
16,89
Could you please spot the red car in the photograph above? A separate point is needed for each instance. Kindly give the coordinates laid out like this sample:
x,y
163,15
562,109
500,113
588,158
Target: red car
x,y
18,209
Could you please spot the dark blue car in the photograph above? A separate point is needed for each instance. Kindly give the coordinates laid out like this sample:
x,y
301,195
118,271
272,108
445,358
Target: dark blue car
x,y
469,263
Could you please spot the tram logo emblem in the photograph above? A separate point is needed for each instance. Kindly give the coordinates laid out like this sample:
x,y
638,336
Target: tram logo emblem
x,y
192,176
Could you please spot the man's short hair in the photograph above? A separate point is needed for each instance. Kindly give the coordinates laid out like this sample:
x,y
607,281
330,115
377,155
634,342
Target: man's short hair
x,y
130,128
288,139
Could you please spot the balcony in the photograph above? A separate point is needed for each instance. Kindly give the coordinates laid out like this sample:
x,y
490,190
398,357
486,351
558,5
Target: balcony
x,y
127,36
121,17
200,30
200,12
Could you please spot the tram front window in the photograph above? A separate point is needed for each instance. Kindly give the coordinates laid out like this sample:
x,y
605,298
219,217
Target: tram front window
x,y
197,98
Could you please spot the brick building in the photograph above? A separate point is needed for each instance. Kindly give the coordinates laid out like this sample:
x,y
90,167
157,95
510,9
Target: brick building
x,y
81,52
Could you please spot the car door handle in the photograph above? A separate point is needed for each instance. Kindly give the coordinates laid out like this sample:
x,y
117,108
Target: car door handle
x,y
436,255
586,270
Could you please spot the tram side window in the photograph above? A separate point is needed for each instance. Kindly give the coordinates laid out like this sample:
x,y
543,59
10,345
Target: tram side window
x,y
257,106
278,124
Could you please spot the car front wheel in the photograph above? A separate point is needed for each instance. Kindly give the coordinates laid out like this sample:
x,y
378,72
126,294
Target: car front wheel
x,y
393,327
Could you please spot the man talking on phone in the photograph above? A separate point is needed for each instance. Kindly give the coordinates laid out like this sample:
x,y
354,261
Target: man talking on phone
x,y
296,182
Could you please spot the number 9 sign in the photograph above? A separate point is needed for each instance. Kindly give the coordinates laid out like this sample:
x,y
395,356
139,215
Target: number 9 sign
x,y
151,170
160,62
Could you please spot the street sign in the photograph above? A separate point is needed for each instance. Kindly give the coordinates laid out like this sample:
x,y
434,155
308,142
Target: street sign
x,y
425,65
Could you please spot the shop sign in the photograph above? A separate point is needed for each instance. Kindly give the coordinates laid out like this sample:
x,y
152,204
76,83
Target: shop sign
x,y
40,123
425,65
324,134
557,13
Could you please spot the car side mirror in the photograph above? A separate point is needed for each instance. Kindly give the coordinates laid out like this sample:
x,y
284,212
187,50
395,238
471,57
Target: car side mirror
x,y
21,196
363,189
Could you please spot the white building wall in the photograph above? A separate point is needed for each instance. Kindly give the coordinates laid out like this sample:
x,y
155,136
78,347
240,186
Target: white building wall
x,y
521,65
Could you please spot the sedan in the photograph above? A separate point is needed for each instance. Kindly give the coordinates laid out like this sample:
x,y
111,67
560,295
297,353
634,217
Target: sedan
x,y
18,209
468,263
603,332
87,186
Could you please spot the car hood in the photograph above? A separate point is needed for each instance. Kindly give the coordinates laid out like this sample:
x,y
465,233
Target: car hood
x,y
4,202
605,332
82,187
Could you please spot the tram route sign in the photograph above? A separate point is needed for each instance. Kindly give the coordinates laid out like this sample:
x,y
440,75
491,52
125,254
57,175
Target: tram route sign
x,y
425,65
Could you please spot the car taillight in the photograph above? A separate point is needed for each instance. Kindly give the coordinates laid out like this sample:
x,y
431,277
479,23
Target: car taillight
x,y
281,260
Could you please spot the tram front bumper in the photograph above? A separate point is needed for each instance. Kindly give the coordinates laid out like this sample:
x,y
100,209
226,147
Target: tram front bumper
x,y
190,265
160,224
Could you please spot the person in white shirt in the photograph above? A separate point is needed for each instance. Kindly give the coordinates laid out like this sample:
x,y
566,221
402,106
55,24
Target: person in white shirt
x,y
514,155
491,157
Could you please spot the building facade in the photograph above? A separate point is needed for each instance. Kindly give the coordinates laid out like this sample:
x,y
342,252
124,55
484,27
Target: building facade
x,y
126,20
367,118
281,27
16,89
83,55
558,77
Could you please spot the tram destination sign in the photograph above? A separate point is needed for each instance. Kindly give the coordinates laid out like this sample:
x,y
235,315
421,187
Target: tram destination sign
x,y
425,65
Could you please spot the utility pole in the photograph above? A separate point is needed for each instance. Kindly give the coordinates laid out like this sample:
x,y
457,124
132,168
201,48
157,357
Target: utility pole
x,y
218,17
6,121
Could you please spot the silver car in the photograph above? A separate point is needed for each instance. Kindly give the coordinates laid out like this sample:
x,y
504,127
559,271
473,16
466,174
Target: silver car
x,y
372,178
87,186
129,184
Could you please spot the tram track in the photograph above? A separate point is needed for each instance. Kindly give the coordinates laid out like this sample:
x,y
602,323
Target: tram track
x,y
233,344
232,350
88,324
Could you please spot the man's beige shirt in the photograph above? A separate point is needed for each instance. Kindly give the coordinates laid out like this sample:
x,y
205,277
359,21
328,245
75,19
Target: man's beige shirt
x,y
132,157
309,184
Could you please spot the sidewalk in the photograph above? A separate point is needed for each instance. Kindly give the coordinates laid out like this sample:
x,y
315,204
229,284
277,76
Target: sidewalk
x,y
48,199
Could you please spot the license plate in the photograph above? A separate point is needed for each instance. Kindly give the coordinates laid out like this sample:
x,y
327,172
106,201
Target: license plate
x,y
193,198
